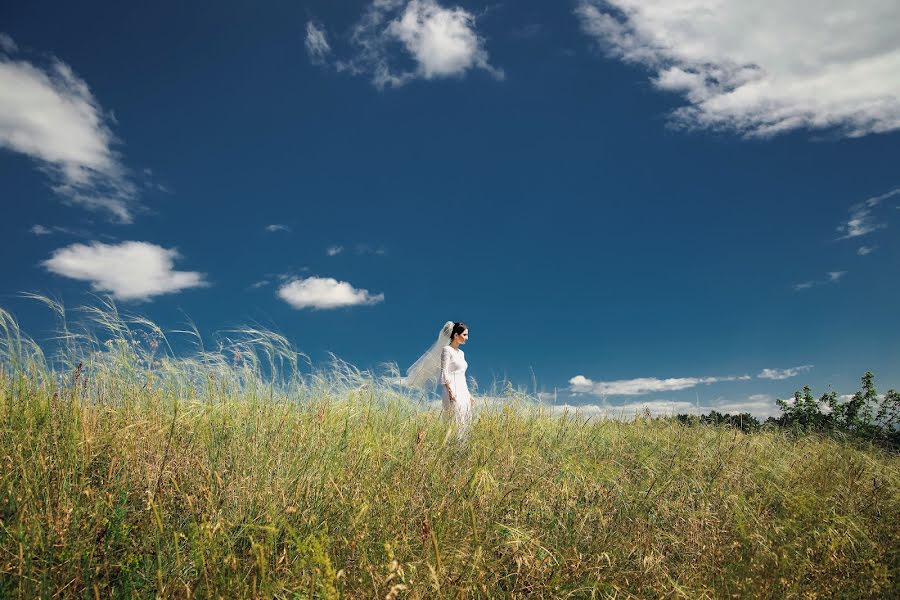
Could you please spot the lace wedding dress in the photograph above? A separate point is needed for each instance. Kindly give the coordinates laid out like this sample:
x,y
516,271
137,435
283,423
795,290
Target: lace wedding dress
x,y
453,374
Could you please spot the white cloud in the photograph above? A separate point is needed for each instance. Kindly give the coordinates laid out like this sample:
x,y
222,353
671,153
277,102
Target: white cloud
x,y
581,384
759,405
783,373
833,277
864,250
316,44
325,292
334,250
44,230
129,270
861,220
627,411
277,227
762,68
642,385
441,42
50,115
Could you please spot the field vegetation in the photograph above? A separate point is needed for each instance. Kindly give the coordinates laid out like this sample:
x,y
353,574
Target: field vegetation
x,y
241,471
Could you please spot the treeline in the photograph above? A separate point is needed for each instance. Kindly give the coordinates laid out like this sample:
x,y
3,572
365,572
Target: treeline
x,y
866,414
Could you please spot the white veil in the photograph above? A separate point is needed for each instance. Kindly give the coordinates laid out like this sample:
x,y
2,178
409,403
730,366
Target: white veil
x,y
427,368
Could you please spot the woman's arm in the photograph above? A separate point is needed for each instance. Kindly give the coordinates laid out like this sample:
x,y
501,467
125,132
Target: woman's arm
x,y
445,372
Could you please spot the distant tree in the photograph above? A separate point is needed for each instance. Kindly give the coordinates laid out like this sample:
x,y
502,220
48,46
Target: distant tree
x,y
743,421
855,416
889,411
887,421
805,412
865,415
688,420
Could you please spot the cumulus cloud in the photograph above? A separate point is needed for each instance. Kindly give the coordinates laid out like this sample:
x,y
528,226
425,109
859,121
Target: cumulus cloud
x,y
317,46
334,250
779,374
441,42
129,270
864,250
49,114
762,68
862,218
325,292
642,385
277,227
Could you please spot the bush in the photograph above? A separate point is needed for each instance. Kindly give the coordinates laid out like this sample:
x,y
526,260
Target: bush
x,y
865,416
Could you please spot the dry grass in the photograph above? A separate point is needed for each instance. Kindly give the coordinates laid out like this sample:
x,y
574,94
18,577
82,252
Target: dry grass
x,y
146,475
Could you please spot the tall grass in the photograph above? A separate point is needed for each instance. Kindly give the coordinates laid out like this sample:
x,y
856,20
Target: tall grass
x,y
242,471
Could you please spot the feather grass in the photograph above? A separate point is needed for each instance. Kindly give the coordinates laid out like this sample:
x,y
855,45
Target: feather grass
x,y
239,470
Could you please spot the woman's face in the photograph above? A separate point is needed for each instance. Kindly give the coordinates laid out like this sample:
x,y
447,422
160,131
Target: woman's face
x,y
463,337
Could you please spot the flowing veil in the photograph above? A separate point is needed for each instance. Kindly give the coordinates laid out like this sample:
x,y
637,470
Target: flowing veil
x,y
427,367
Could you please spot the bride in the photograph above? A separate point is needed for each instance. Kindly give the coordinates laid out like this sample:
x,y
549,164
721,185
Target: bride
x,y
446,361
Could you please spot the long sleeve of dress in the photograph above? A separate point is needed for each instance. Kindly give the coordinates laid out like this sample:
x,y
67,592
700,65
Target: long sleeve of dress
x,y
445,365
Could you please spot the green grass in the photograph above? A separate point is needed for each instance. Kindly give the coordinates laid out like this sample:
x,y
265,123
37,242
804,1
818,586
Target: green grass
x,y
148,475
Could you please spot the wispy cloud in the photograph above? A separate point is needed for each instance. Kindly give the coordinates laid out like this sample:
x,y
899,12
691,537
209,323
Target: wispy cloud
x,y
49,114
526,32
779,374
358,249
277,227
763,68
831,277
862,220
324,293
317,46
44,230
864,250
7,44
364,249
129,270
642,385
441,42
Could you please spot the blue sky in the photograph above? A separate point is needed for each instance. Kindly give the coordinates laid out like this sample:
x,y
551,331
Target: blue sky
x,y
628,203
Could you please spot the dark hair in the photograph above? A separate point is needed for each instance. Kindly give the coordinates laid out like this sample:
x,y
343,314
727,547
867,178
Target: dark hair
x,y
458,328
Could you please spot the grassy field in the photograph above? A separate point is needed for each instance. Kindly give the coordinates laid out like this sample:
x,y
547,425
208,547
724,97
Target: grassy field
x,y
140,474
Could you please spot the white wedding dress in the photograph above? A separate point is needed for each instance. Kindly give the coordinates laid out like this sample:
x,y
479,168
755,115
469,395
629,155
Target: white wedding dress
x,y
453,373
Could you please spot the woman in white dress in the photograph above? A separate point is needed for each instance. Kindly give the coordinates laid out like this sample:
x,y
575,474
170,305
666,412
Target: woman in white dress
x,y
455,398
446,363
